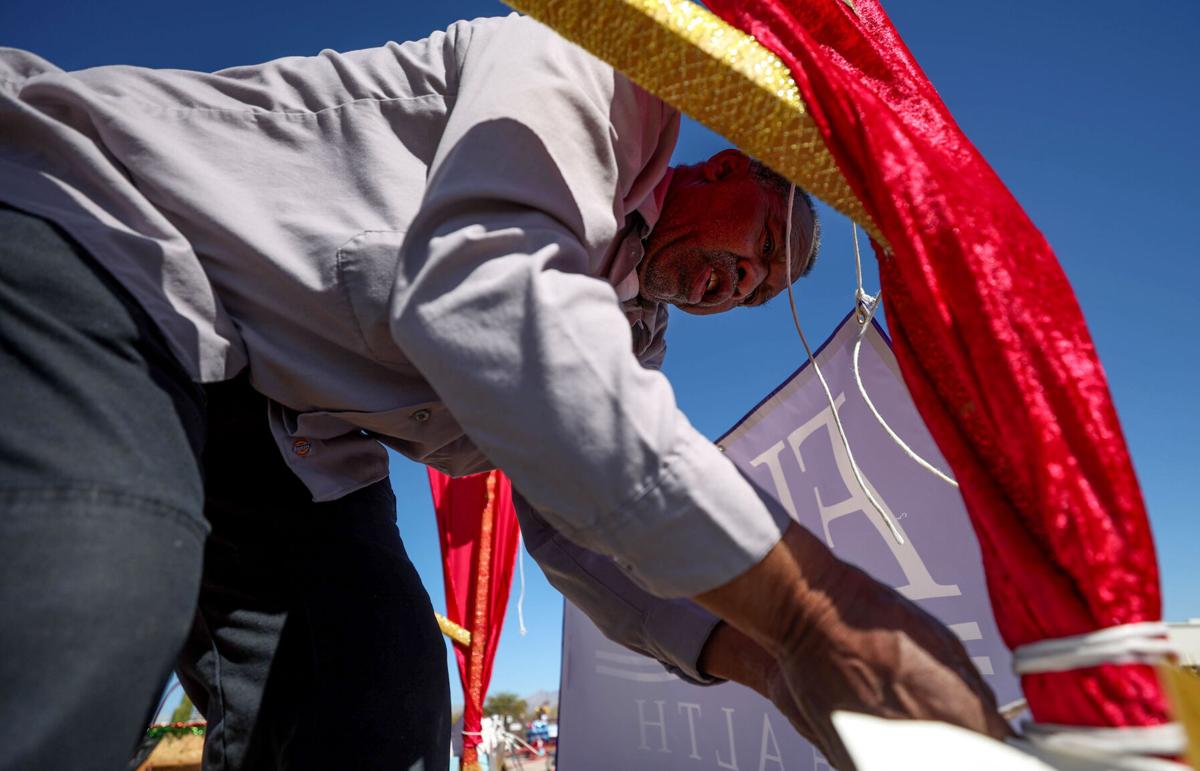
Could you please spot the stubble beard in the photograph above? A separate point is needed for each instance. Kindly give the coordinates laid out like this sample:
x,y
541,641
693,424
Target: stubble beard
x,y
665,284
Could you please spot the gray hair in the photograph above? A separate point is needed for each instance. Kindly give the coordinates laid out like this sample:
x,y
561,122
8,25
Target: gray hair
x,y
780,184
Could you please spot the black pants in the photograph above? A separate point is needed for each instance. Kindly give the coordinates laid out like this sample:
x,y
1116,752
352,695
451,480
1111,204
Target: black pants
x,y
300,630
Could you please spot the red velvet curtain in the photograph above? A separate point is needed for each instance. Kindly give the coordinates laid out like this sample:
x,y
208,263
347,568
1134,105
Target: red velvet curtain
x,y
993,347
477,529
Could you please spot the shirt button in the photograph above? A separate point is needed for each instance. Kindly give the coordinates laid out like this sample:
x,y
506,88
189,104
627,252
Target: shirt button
x,y
421,415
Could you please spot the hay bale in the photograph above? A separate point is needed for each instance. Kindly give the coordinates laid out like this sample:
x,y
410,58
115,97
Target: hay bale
x,y
177,753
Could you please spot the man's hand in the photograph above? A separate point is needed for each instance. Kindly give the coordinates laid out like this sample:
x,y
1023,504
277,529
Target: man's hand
x,y
731,655
842,640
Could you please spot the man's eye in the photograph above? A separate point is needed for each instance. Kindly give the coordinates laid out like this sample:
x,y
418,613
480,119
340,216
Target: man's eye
x,y
768,244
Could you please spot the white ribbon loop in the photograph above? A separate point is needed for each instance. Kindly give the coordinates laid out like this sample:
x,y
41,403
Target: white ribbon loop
x,y
1166,739
1141,643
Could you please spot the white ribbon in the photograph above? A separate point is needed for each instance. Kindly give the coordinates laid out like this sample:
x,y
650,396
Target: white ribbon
x,y
1164,739
1140,643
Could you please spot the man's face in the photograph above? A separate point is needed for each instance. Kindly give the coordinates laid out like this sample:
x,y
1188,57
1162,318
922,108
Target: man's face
x,y
719,242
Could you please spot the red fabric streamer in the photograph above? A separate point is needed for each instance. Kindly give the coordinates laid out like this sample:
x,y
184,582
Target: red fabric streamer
x,y
994,349
477,529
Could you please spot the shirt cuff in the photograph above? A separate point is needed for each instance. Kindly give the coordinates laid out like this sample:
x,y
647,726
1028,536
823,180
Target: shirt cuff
x,y
679,631
700,526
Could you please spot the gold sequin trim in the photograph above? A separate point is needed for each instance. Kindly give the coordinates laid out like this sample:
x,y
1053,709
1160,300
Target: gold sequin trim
x,y
717,74
453,630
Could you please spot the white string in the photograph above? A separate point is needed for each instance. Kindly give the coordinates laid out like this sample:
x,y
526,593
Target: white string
x,y
521,596
1141,643
892,525
860,297
865,306
1013,708
1163,739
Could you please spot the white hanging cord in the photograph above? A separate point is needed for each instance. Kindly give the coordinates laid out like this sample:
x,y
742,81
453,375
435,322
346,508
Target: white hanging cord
x,y
864,310
521,596
862,300
1140,643
892,525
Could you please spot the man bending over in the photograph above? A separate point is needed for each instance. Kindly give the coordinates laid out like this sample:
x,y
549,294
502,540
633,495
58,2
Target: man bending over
x,y
222,295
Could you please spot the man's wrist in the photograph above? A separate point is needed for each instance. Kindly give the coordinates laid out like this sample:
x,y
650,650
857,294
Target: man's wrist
x,y
779,601
729,654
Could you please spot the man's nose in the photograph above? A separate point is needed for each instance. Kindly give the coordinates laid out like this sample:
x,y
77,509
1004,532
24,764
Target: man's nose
x,y
749,275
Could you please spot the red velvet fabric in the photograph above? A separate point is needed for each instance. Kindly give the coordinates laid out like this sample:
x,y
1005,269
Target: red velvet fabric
x,y
993,347
459,504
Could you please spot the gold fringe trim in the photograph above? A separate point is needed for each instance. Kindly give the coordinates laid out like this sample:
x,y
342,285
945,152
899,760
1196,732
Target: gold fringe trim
x,y
717,74
453,630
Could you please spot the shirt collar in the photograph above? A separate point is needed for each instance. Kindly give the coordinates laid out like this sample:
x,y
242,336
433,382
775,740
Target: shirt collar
x,y
651,207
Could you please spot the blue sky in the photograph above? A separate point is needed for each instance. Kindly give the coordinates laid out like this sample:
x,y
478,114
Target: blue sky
x,y
1087,110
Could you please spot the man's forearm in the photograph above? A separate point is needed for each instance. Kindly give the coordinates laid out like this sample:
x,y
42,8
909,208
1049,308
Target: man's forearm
x,y
776,600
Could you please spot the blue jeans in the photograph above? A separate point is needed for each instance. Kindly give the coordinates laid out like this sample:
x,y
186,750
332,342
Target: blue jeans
x,y
300,630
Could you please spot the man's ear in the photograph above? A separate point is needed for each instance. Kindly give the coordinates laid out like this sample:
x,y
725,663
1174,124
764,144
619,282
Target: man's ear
x,y
726,163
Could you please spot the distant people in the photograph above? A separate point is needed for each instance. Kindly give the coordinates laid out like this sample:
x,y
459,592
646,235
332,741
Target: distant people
x,y
539,730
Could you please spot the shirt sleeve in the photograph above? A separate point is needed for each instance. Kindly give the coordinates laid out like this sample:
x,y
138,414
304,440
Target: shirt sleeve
x,y
494,302
673,631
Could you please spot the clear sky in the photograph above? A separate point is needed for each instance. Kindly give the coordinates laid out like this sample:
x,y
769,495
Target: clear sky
x,y
1088,110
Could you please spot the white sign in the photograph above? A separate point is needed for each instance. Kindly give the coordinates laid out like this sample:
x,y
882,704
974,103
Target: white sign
x,y
620,710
